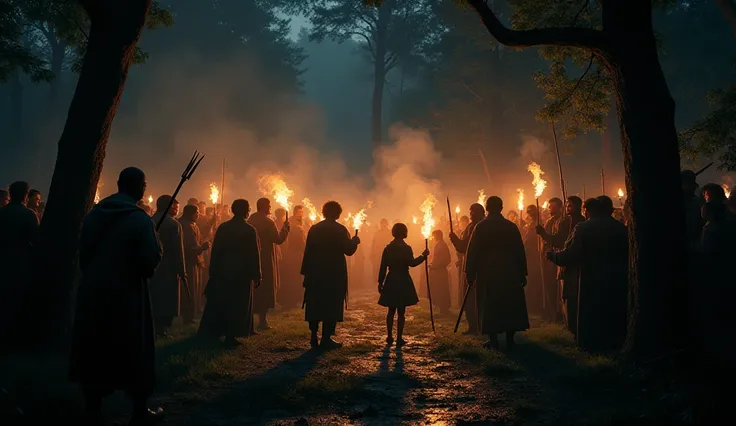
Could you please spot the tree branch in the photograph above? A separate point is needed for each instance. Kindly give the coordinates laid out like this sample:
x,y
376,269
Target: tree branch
x,y
580,80
585,38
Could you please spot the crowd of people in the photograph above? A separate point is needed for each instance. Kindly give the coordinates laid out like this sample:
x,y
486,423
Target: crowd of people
x,y
141,269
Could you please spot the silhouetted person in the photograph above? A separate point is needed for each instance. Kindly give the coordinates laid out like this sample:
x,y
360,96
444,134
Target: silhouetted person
x,y
171,273
325,272
4,197
693,220
394,282
534,289
599,248
553,236
194,249
381,238
34,202
291,292
439,277
235,268
459,263
569,275
18,232
477,213
269,236
113,337
496,264
192,202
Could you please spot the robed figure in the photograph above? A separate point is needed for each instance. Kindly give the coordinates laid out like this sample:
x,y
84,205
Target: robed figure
x,y
325,272
171,274
496,263
194,250
477,213
269,237
235,269
113,336
599,248
439,276
535,287
291,294
18,231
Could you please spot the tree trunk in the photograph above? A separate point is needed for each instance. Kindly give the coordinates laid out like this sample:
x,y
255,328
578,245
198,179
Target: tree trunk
x,y
58,52
112,39
379,72
646,110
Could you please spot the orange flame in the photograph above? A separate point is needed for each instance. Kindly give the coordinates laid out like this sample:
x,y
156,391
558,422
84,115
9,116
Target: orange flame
x,y
544,205
428,221
313,213
358,219
620,193
481,197
727,190
520,202
275,186
414,220
457,209
539,183
150,199
214,193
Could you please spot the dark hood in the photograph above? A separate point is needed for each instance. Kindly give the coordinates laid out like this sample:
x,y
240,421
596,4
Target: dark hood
x,y
107,212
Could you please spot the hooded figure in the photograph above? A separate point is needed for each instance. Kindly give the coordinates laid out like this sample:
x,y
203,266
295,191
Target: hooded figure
x,y
113,336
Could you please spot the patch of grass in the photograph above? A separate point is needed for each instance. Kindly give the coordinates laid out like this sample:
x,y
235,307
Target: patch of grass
x,y
493,363
550,334
344,355
323,386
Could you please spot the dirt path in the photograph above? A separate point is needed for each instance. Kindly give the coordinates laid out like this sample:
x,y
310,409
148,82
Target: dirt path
x,y
435,379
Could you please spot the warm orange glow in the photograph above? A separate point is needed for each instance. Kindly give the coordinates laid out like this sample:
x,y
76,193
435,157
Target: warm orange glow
x,y
457,209
313,213
482,197
539,183
544,205
727,190
520,202
620,193
358,219
428,221
150,199
275,186
214,193
414,220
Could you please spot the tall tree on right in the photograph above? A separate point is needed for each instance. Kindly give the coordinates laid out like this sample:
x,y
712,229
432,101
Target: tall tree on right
x,y
620,36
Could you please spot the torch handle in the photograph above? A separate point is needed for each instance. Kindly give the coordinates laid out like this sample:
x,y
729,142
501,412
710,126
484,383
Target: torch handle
x,y
356,232
539,214
449,215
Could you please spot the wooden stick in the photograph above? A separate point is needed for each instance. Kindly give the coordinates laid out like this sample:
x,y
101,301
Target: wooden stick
x,y
429,291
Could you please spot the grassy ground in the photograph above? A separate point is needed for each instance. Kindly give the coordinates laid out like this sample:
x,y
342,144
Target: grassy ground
x,y
436,379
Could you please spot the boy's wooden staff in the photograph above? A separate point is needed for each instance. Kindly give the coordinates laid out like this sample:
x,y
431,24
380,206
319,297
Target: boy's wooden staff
x,y
704,169
429,291
188,172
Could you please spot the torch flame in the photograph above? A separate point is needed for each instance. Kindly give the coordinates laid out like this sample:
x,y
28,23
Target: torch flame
x,y
150,199
358,219
348,217
520,203
481,197
214,193
428,221
313,214
457,209
414,220
275,186
727,190
620,193
544,205
539,183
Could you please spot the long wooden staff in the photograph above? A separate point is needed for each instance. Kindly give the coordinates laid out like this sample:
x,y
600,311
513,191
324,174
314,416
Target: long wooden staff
x,y
429,291
462,308
449,214
704,169
188,172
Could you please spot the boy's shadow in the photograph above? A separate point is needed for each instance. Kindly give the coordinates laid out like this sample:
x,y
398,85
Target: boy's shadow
x,y
386,360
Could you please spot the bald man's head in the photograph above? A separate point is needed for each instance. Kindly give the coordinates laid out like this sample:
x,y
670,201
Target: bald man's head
x,y
132,182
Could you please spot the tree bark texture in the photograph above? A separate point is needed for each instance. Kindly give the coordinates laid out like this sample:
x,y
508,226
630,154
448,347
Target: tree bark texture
x,y
114,32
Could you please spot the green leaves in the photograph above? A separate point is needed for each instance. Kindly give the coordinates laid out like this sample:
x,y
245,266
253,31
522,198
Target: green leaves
x,y
714,136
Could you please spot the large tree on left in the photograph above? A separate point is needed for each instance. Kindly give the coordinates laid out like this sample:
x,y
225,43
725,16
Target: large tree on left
x,y
114,30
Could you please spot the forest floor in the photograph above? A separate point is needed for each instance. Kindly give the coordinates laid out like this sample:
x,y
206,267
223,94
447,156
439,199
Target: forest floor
x,y
439,379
